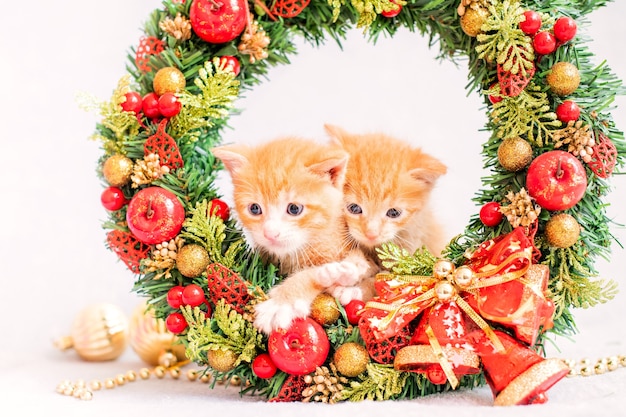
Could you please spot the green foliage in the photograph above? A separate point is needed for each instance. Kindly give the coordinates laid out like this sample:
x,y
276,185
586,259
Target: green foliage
x,y
380,382
401,262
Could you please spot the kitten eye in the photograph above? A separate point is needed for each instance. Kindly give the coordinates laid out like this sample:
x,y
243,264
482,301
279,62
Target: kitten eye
x,y
355,208
294,209
255,209
393,213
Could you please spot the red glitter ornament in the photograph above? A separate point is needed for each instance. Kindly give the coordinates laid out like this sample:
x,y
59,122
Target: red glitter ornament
x,y
127,248
289,8
604,157
164,145
227,285
147,47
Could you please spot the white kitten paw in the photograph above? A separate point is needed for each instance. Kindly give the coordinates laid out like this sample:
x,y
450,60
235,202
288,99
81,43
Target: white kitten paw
x,y
337,273
346,294
272,314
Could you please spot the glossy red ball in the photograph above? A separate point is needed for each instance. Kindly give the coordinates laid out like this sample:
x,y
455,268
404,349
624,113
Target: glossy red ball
x,y
493,98
219,208
150,106
490,214
176,323
392,13
218,22
232,62
155,215
112,198
568,111
193,295
353,311
301,348
169,106
532,24
544,43
564,29
175,296
263,366
133,102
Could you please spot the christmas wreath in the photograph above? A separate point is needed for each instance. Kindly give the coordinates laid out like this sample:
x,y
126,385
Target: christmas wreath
x,y
478,316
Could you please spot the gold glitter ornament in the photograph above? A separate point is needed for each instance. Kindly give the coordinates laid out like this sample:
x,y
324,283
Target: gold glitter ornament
x,y
351,359
99,333
473,19
117,170
150,339
515,154
562,230
222,360
168,80
563,78
192,260
324,309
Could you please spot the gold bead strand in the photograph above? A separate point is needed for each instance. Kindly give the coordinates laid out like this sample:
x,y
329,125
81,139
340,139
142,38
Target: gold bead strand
x,y
586,367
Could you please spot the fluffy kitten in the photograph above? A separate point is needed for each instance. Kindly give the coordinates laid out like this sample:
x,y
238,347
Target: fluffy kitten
x,y
288,199
387,191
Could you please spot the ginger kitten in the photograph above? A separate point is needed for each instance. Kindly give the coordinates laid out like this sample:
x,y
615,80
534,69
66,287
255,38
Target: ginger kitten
x,y
288,199
387,191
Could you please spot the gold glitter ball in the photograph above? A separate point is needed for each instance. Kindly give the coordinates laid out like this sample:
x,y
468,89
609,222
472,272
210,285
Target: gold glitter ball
x,y
515,154
192,260
168,80
351,359
562,230
117,170
222,360
324,309
563,78
473,19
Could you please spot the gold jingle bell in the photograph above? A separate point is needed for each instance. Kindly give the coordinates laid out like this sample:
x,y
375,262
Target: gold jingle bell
x,y
98,333
151,340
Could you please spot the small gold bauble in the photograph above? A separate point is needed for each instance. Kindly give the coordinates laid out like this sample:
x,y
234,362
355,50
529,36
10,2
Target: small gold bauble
x,y
563,78
168,80
463,276
442,268
150,339
515,154
117,170
444,290
192,260
324,309
351,359
99,333
473,19
222,360
562,230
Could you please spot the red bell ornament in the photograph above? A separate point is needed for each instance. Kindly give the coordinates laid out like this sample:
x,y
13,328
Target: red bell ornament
x,y
218,21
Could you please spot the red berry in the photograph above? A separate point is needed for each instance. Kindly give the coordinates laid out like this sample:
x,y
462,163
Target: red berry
x,y
531,25
567,111
112,198
263,366
493,98
490,214
353,310
392,12
133,102
228,60
175,296
176,323
169,105
564,28
219,208
193,295
544,43
150,105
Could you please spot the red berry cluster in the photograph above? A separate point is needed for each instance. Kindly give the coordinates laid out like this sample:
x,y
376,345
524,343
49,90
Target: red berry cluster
x,y
178,296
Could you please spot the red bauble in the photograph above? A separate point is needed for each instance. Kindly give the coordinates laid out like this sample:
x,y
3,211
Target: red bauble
x,y
169,105
155,215
556,180
150,106
218,22
492,98
490,214
133,102
564,29
232,62
219,208
568,111
353,309
175,296
299,349
532,24
544,43
112,198
193,295
176,323
263,366
392,13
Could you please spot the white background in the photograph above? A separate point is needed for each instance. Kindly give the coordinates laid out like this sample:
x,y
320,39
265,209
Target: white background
x,y
54,262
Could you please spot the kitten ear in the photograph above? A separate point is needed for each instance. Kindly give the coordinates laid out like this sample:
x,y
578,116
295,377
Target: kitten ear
x,y
232,156
334,168
429,170
337,134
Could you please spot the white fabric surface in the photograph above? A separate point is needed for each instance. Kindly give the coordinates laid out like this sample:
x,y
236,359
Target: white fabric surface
x,y
54,259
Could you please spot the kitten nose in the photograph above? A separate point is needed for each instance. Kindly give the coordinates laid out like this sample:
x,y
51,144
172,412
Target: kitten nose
x,y
371,234
271,233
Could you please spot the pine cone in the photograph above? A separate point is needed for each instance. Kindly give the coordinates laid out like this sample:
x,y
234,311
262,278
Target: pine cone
x,y
324,386
163,257
254,42
578,139
179,27
522,211
147,170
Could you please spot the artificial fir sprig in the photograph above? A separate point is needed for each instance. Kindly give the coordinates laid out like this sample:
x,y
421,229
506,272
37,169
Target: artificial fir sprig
x,y
380,382
401,262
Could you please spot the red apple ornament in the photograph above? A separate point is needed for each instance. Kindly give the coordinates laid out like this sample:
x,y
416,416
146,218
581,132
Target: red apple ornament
x,y
155,215
218,21
299,349
557,180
